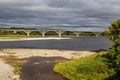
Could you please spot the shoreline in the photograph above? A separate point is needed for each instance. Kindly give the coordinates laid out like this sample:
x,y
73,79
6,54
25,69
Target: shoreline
x,y
26,53
41,38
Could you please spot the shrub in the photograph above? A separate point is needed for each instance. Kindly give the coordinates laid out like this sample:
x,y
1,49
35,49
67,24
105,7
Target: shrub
x,y
113,56
88,68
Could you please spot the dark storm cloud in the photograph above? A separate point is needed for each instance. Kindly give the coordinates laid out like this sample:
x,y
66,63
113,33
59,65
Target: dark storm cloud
x,y
61,14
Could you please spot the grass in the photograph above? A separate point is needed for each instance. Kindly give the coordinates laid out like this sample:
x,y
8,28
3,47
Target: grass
x,y
13,38
9,38
14,62
10,53
88,68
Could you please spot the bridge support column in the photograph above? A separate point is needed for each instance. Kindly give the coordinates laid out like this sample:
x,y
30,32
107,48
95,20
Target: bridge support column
x,y
14,31
28,33
59,33
77,34
43,33
97,34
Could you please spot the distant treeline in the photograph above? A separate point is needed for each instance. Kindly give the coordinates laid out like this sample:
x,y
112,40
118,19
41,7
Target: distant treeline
x,y
19,28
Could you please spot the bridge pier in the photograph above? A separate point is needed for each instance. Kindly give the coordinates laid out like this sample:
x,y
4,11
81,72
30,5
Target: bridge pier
x,y
59,33
14,31
97,34
28,33
43,32
77,34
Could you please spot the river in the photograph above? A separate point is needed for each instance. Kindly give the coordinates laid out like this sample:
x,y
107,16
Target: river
x,y
83,43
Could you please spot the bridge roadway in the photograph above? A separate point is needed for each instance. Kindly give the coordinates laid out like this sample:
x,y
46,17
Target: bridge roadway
x,y
43,32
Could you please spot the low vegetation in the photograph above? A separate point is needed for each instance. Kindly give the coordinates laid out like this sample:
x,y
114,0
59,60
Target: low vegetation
x,y
14,62
88,68
10,38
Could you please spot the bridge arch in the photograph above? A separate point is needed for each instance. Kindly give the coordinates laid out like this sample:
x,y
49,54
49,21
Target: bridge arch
x,y
69,33
35,33
20,32
44,33
51,33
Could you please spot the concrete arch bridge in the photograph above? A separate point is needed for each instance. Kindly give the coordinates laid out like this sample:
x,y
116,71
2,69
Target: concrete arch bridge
x,y
44,32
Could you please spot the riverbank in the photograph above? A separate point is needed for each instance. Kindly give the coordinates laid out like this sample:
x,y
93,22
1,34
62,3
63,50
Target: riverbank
x,y
6,71
26,53
39,38
42,61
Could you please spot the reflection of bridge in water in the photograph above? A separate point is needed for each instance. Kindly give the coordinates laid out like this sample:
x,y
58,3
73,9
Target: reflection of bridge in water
x,y
44,32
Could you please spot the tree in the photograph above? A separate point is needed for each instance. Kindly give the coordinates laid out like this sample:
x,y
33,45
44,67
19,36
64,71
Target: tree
x,y
113,56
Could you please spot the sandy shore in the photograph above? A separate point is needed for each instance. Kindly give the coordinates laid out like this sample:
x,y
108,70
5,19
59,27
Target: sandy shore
x,y
25,53
45,38
42,54
41,38
6,71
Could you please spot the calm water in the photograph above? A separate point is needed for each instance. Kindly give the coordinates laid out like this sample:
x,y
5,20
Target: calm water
x,y
86,43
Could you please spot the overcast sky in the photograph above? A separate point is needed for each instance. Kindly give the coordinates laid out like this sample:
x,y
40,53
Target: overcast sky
x,y
94,15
